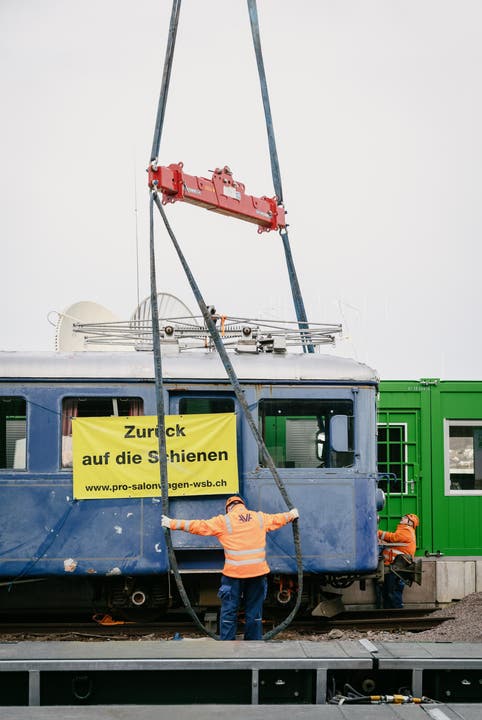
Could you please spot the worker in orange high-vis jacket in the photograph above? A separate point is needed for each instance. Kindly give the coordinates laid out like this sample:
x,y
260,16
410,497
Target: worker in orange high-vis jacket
x,y
242,533
400,542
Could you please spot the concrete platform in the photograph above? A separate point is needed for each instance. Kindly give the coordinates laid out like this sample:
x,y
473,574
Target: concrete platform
x,y
444,580
251,712
203,672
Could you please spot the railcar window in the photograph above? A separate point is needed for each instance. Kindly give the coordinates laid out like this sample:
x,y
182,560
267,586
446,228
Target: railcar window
x,y
13,433
93,407
463,453
308,433
392,457
197,406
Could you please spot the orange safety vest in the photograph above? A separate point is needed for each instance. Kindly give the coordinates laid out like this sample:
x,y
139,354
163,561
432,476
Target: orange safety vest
x,y
405,535
242,533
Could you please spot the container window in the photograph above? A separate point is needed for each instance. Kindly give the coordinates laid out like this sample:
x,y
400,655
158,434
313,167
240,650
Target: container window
x,y
13,433
463,456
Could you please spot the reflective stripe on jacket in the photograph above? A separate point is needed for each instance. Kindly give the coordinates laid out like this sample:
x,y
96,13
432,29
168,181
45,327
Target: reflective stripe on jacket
x,y
242,533
405,535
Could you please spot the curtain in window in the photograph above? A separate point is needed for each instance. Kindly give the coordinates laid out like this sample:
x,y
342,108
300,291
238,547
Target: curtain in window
x,y
135,407
70,410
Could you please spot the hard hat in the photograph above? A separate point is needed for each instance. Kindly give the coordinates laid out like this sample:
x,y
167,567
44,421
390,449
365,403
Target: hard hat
x,y
233,500
414,519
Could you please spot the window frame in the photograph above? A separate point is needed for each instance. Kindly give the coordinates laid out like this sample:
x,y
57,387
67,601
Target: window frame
x,y
448,490
403,462
322,397
14,469
66,447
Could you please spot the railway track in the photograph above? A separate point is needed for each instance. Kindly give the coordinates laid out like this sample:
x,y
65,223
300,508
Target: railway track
x,y
395,619
126,629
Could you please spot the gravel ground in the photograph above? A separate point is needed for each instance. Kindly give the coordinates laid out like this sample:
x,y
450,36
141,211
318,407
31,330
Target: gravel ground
x,y
464,625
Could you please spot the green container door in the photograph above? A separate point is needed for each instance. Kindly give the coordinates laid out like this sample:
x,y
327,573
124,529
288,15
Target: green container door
x,y
404,456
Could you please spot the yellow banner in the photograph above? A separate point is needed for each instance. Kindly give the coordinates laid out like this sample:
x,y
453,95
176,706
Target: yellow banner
x,y
118,457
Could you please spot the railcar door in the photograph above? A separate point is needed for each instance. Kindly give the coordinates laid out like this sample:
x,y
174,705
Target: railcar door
x,y
202,401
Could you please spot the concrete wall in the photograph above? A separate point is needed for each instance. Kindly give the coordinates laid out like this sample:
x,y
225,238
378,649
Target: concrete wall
x,y
458,577
443,581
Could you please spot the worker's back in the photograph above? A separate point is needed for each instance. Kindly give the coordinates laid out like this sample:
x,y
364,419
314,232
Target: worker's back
x,y
242,533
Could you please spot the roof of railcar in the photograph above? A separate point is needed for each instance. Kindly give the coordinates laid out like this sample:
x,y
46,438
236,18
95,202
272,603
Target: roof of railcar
x,y
185,366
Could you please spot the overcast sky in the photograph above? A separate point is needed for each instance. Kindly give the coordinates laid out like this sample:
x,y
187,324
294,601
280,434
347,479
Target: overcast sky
x,y
377,112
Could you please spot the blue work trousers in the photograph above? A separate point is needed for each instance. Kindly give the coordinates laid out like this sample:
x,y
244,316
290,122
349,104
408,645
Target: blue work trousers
x,y
252,591
392,591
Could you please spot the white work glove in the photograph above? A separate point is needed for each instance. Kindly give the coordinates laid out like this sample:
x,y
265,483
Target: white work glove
x,y
165,521
294,514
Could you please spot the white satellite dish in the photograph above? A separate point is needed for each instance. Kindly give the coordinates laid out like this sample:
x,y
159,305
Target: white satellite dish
x,y
168,307
66,340
100,329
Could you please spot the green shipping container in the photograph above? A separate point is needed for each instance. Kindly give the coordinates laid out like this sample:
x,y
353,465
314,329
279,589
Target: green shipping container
x,y
430,455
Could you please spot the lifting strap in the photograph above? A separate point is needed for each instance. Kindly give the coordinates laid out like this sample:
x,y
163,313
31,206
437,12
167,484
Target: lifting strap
x,y
276,175
160,408
166,76
238,391
154,198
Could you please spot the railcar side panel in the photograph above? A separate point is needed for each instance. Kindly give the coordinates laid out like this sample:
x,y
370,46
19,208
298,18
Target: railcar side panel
x,y
45,532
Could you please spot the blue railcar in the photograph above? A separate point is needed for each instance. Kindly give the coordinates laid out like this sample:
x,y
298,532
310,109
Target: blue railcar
x,y
317,415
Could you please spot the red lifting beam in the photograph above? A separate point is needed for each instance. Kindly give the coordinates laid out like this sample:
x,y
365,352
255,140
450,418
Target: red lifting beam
x,y
221,194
